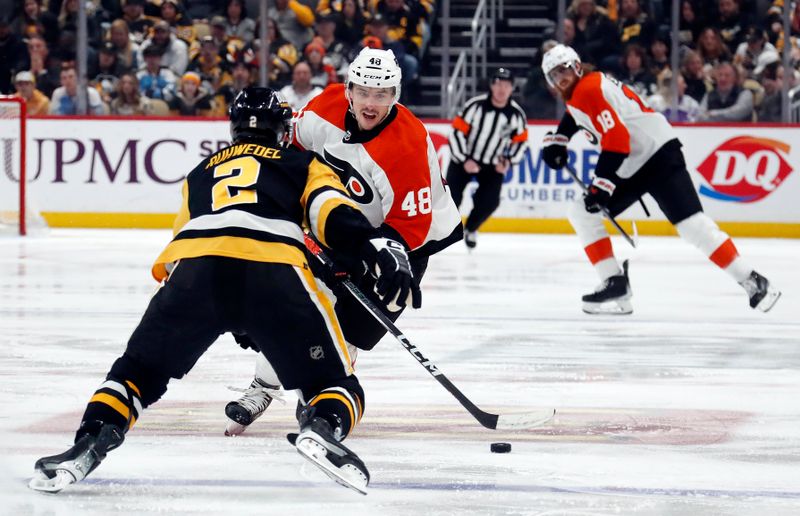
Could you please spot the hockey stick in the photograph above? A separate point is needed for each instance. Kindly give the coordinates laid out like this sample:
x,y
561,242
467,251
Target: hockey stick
x,y
611,219
488,420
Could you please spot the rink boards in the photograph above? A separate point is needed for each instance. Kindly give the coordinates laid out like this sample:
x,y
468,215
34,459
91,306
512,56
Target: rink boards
x,y
126,172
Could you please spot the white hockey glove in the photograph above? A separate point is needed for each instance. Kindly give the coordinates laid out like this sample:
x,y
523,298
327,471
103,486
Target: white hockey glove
x,y
387,260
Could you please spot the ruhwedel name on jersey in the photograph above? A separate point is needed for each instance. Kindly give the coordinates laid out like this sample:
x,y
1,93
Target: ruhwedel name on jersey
x,y
117,166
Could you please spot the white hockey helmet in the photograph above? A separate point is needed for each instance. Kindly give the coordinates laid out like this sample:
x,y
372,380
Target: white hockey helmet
x,y
560,55
375,68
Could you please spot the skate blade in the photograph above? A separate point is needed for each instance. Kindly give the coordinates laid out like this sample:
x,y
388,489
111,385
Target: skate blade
x,y
348,476
233,429
769,300
40,482
617,307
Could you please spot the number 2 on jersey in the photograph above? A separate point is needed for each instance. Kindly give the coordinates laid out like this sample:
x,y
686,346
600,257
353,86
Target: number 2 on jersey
x,y
237,175
417,202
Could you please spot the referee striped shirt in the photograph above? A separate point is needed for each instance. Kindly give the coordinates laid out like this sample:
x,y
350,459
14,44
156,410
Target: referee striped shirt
x,y
485,134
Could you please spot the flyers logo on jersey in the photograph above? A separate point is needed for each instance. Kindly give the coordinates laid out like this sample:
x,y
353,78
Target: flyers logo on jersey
x,y
745,169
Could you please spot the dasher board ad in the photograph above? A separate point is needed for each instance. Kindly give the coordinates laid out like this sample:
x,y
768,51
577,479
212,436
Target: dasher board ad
x,y
121,166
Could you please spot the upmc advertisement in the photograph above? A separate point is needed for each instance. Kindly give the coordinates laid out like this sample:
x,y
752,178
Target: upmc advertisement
x,y
107,168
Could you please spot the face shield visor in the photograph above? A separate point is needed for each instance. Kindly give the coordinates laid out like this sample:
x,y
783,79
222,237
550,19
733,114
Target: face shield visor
x,y
363,95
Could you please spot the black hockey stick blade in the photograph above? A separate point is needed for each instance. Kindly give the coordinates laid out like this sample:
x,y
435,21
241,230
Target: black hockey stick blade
x,y
487,419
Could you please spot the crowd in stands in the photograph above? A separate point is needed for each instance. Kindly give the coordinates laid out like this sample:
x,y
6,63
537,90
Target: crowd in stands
x,y
191,57
730,62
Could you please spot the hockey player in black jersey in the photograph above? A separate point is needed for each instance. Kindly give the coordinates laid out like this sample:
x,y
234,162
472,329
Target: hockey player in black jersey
x,y
237,264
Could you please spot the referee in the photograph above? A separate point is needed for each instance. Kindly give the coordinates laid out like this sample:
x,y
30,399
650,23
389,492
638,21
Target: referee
x,y
489,135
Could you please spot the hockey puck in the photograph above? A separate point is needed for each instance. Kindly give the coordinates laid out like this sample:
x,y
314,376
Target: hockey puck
x,y
500,447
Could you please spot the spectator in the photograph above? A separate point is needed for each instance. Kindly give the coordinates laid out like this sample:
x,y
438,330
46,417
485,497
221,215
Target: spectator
x,y
210,66
539,99
405,26
711,48
659,55
596,34
127,49
728,101
174,52
36,102
731,23
134,18
237,24
129,100
155,81
191,99
65,98
282,55
301,90
379,27
772,77
335,51
635,72
748,51
106,72
294,20
697,83
242,77
691,23
634,25
181,25
688,108
45,68
350,27
227,47
36,21
68,20
322,73
11,50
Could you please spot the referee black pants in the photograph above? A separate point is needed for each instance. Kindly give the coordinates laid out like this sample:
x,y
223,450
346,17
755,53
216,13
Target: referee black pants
x,y
486,198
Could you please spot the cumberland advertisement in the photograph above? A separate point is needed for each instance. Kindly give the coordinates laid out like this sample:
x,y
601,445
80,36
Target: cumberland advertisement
x,y
743,174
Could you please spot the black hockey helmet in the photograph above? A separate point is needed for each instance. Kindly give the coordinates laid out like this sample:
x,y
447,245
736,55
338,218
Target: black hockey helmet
x,y
260,114
502,74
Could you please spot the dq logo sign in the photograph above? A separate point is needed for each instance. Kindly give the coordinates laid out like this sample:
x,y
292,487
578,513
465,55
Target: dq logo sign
x,y
745,169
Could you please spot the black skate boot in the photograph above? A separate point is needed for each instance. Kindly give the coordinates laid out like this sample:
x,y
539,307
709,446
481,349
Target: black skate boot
x,y
318,443
763,295
56,472
612,296
471,239
251,406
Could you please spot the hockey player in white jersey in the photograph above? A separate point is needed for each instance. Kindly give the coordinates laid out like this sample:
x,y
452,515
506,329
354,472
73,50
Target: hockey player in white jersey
x,y
640,153
385,157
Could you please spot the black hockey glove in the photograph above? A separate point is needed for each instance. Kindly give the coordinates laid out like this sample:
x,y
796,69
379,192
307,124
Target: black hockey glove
x,y
388,261
599,194
554,150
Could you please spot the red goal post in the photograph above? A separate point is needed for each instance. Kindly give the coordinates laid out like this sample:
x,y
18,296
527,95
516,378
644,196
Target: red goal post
x,y
13,140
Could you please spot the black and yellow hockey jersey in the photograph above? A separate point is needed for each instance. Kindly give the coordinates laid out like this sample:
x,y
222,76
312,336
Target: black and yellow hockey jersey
x,y
249,201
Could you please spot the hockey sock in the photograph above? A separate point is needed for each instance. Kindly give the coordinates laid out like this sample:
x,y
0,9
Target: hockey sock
x,y
703,233
594,237
265,373
340,407
116,402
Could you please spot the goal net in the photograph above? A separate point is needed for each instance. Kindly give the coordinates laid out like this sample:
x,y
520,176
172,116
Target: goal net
x,y
17,212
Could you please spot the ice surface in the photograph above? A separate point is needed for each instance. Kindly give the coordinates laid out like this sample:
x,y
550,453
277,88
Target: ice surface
x,y
689,406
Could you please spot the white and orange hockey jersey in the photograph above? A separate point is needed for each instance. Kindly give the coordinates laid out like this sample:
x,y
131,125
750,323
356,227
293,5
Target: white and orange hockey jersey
x,y
617,119
392,171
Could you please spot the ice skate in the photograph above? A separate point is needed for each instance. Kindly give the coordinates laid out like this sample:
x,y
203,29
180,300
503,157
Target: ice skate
x,y
56,472
471,239
612,297
253,403
763,295
317,442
